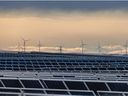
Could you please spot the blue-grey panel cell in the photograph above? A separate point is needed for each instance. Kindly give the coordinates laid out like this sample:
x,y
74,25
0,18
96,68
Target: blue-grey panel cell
x,y
1,84
118,86
54,69
16,69
12,83
2,68
9,68
62,69
57,92
10,90
33,95
110,94
8,94
75,85
31,83
95,86
76,93
33,91
71,69
55,84
126,94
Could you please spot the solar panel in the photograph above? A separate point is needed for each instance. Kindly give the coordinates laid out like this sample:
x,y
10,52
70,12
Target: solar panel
x,y
78,93
110,94
126,94
1,85
31,84
33,91
34,95
11,83
57,92
96,86
9,90
118,86
54,84
74,85
4,94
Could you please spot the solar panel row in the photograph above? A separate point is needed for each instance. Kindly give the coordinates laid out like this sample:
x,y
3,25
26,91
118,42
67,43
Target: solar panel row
x,y
46,64
100,94
62,85
64,56
63,93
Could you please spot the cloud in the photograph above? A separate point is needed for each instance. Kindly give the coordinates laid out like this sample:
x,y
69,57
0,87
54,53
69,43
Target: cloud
x,y
61,14
106,49
64,6
59,26
114,49
43,49
61,9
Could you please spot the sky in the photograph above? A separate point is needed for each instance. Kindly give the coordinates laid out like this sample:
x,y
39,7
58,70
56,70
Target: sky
x,y
64,23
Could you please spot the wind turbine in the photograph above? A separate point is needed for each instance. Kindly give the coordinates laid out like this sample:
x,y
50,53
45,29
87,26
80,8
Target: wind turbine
x,y
24,44
82,46
18,46
99,48
60,49
126,47
39,45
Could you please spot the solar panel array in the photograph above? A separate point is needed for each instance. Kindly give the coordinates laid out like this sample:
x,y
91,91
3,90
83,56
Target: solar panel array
x,y
63,62
61,87
52,74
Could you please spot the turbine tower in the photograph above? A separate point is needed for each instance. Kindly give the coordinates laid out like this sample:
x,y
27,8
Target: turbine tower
x,y
82,46
18,46
24,44
126,47
39,46
60,49
99,48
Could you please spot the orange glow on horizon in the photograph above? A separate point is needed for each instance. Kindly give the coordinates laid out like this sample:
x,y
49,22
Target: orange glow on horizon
x,y
65,29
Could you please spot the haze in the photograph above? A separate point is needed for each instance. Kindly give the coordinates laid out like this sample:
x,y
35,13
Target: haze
x,y
55,26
